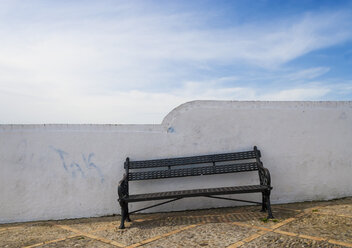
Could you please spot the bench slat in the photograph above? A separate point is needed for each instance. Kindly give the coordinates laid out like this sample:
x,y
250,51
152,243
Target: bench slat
x,y
197,192
192,160
207,170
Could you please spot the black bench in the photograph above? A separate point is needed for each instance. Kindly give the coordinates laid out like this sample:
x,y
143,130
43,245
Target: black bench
x,y
180,167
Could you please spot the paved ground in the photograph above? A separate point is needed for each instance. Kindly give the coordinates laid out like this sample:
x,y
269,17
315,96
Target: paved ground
x,y
309,224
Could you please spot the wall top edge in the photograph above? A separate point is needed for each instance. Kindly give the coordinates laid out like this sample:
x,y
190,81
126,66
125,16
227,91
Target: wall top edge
x,y
174,113
209,104
82,127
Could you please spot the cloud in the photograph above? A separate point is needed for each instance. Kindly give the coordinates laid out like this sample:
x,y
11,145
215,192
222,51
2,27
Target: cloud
x,y
136,50
119,63
297,94
310,73
131,107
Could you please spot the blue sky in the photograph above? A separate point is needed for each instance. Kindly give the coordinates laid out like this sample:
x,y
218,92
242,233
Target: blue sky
x,y
134,61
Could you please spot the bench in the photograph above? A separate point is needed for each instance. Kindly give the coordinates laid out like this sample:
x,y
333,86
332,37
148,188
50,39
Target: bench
x,y
202,165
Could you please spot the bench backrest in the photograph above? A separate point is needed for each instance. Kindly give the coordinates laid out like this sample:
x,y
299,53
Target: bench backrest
x,y
213,167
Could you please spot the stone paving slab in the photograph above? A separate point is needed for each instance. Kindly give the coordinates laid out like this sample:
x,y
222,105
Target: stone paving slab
x,y
207,235
79,241
91,224
132,235
326,226
273,240
343,210
30,234
307,224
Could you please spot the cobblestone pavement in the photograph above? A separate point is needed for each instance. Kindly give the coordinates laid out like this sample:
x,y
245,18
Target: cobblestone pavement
x,y
307,224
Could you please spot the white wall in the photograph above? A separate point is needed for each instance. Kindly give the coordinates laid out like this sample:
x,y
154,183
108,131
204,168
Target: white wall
x,y
69,171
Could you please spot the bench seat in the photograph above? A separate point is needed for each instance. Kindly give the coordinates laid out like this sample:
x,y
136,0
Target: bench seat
x,y
197,192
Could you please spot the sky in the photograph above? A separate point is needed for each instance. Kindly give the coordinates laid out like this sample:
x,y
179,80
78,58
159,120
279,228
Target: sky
x,y
132,62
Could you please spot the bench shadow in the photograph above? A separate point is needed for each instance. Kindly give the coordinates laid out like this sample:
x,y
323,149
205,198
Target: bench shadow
x,y
248,214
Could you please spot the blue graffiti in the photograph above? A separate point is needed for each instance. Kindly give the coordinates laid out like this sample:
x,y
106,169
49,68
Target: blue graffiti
x,y
62,156
90,165
75,168
170,130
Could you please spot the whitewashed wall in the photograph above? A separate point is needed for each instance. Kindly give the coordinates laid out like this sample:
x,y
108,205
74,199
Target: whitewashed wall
x,y
69,171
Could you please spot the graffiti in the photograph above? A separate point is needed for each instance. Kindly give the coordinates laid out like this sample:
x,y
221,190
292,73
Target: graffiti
x,y
75,169
90,165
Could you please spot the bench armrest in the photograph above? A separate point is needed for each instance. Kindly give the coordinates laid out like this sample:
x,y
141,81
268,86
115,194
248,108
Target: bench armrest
x,y
122,188
264,175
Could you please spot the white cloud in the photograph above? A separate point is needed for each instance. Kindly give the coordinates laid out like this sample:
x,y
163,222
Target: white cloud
x,y
124,64
134,50
296,94
131,107
310,73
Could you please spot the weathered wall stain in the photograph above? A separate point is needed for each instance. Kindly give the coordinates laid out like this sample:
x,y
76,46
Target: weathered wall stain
x,y
75,168
23,156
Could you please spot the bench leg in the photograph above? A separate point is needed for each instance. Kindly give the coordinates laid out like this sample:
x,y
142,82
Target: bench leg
x,y
270,214
264,208
124,213
128,219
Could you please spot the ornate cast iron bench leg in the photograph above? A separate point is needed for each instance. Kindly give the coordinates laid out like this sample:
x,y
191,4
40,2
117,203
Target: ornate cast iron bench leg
x,y
124,213
264,208
270,214
128,219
